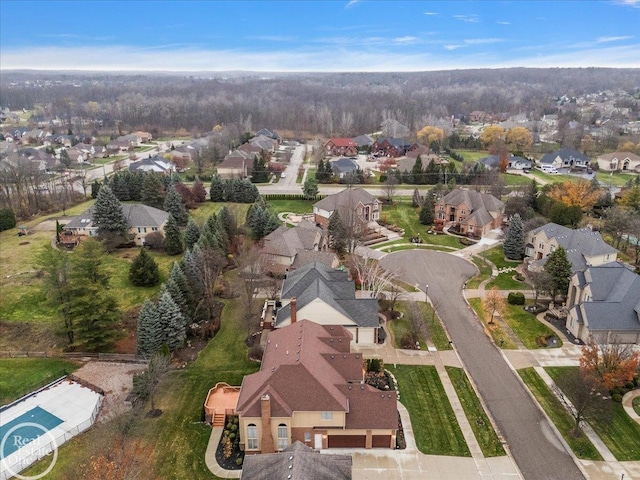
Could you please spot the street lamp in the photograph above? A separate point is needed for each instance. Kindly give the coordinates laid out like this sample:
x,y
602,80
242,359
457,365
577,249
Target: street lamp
x,y
426,293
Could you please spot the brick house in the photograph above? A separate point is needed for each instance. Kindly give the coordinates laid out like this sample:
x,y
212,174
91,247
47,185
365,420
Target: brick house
x,y
336,147
474,213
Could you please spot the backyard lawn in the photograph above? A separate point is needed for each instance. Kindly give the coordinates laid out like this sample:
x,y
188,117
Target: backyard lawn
x,y
478,419
484,273
616,180
505,281
563,421
291,205
434,424
618,433
473,155
500,337
19,376
400,326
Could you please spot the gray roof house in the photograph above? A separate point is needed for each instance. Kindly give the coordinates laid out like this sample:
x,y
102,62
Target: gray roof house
x,y
327,296
492,162
604,305
142,220
584,247
566,158
363,141
344,166
297,461
154,164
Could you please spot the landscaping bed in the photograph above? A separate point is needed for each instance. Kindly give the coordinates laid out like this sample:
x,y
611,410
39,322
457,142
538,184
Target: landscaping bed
x,y
228,454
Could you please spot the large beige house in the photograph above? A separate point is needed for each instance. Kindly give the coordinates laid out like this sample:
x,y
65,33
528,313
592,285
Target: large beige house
x,y
584,247
604,304
310,389
473,212
142,220
326,296
619,162
356,206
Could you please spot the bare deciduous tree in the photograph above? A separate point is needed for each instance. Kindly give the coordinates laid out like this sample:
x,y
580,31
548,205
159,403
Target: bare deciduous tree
x,y
371,276
494,303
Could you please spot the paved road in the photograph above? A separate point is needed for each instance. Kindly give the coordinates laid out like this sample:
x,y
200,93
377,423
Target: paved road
x,y
533,444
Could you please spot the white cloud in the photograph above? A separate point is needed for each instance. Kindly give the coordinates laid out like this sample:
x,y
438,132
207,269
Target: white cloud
x,y
468,18
612,39
503,23
407,40
351,3
453,47
629,3
483,41
273,38
431,13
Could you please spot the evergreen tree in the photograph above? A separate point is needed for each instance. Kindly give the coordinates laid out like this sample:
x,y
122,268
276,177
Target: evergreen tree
x,y
149,331
108,214
259,173
172,322
228,222
216,192
144,271
559,267
427,211
173,244
337,233
65,159
178,281
192,233
95,188
514,240
310,189
178,297
173,204
531,195
192,264
152,192
417,173
417,199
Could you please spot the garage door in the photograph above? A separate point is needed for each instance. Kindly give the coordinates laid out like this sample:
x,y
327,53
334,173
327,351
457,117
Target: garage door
x,y
347,441
381,441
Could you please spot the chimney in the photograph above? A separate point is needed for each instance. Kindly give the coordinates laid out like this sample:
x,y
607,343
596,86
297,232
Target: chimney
x,y
267,445
294,310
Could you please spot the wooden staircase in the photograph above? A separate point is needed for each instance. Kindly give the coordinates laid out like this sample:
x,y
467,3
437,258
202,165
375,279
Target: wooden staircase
x,y
219,420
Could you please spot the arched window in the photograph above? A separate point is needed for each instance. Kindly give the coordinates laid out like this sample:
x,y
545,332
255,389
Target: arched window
x,y
252,437
283,436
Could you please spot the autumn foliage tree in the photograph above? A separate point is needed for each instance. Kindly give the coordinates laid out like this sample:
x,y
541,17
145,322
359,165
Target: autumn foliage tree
x,y
578,193
612,364
492,134
429,135
519,139
494,303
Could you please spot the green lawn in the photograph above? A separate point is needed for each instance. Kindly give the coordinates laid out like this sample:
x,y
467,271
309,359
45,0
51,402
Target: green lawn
x,y
619,433
478,419
616,180
496,256
526,326
473,155
400,326
563,421
636,405
513,179
553,178
434,424
19,376
291,205
505,281
496,331
180,454
206,209
484,273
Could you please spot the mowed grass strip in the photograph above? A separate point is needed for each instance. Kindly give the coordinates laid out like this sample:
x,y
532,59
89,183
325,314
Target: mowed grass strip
x,y
434,424
19,376
496,331
484,272
621,434
482,428
581,446
436,333
526,326
505,281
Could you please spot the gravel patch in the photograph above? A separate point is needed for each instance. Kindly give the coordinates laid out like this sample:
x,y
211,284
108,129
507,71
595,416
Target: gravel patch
x,y
116,379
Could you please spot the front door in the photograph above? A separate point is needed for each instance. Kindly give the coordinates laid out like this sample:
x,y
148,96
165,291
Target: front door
x,y
317,444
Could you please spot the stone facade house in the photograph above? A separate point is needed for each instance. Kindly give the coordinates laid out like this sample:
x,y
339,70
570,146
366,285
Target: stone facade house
x,y
584,247
310,389
354,204
474,213
604,304
619,162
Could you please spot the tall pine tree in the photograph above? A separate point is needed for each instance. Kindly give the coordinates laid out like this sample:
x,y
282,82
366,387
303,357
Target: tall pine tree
x,y
143,271
559,267
427,211
191,234
108,214
216,192
173,244
514,240
173,204
149,332
152,192
172,322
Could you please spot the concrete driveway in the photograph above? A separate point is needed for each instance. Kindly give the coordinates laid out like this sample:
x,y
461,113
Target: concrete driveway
x,y
535,447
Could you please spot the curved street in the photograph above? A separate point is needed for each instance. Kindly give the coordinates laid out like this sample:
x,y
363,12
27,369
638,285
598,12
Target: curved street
x,y
536,450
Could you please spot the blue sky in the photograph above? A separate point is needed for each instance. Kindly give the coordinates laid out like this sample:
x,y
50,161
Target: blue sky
x,y
356,35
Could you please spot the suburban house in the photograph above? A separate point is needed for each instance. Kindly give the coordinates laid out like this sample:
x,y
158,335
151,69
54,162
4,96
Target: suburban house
x,y
144,137
272,134
604,304
142,220
619,162
343,167
474,213
285,248
238,164
492,162
153,164
341,146
355,205
310,388
327,296
566,158
392,147
297,461
584,247
363,141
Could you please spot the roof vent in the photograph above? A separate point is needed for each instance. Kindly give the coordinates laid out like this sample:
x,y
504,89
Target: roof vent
x,y
276,345
290,467
361,387
291,457
273,369
287,352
